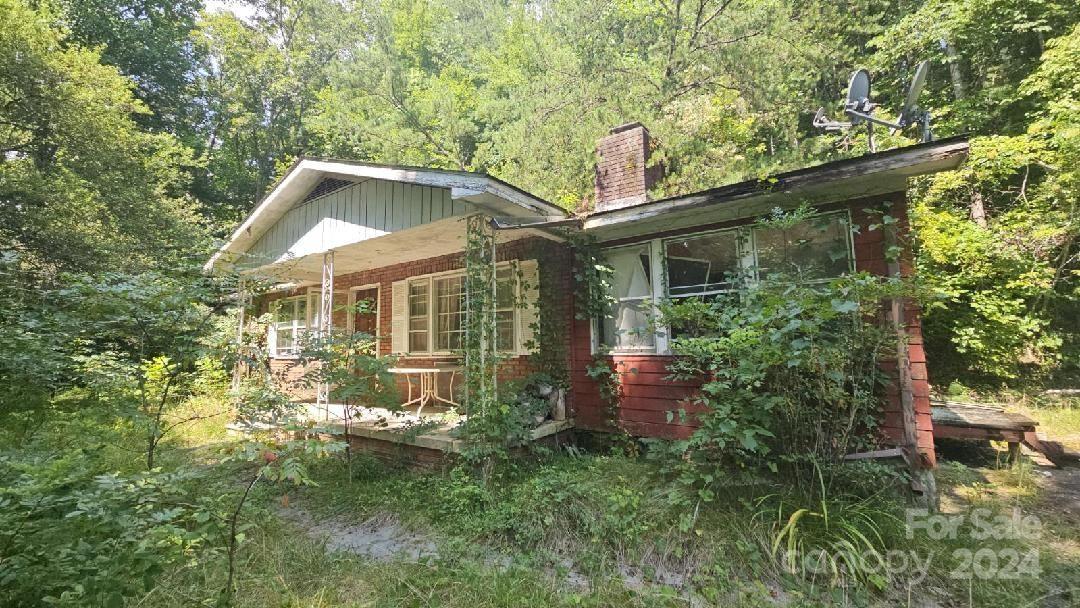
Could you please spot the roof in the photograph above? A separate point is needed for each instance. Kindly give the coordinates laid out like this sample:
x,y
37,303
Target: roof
x,y
866,175
305,174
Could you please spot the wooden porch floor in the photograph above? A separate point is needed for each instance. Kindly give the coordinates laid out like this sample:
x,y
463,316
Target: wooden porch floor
x,y
435,429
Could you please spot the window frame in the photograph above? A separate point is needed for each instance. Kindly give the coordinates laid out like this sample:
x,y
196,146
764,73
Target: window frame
x,y
297,328
649,301
432,313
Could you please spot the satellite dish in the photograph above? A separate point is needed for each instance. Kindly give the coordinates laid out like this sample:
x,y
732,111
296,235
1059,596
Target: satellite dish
x,y
859,108
917,83
858,94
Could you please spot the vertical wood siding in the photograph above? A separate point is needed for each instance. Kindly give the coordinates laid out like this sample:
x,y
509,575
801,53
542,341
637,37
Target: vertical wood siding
x,y
362,211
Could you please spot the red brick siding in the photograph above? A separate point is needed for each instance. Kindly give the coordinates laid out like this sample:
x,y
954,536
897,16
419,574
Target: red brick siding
x,y
646,396
556,292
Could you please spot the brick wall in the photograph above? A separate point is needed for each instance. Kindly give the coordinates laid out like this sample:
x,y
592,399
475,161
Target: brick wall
x,y
556,294
647,396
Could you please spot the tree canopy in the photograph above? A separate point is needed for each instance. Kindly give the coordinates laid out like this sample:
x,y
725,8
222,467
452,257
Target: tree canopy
x,y
133,130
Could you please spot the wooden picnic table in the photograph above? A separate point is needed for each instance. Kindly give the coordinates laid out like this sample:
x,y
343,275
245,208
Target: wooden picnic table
x,y
429,384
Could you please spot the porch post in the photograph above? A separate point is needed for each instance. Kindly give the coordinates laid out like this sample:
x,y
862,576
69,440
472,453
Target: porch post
x,y
326,311
242,298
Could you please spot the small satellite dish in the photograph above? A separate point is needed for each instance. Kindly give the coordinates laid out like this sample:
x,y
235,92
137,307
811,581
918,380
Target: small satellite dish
x,y
858,94
859,108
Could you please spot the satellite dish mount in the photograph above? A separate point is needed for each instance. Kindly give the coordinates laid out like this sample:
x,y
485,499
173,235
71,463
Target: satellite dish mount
x,y
860,110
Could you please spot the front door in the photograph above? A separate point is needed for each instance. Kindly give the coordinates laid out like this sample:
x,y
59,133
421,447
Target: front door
x,y
366,317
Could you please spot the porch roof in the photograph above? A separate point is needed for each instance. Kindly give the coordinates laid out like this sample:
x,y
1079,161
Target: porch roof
x,y
476,191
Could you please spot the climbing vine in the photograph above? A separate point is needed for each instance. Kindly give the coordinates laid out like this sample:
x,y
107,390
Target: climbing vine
x,y
592,278
594,300
481,354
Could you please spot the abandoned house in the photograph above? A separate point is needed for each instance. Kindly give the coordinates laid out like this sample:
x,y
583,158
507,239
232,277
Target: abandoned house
x,y
335,232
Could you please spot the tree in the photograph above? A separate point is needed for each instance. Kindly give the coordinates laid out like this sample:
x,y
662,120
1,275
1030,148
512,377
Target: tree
x,y
150,42
80,184
259,81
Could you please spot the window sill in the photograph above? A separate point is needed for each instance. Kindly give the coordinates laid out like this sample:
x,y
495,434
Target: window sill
x,y
643,352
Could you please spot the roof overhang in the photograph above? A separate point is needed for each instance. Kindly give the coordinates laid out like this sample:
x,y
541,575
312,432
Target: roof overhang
x,y
443,237
486,193
869,175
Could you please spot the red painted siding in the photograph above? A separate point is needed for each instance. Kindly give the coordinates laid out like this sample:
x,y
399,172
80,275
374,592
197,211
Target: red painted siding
x,y
647,395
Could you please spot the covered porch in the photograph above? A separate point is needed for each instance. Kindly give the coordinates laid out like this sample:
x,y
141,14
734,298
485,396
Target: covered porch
x,y
400,243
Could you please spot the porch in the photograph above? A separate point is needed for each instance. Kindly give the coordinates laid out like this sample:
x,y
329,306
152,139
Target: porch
x,y
437,307
437,428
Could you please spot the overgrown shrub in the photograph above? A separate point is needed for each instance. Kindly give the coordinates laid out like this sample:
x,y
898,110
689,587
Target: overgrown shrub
x,y
70,536
790,370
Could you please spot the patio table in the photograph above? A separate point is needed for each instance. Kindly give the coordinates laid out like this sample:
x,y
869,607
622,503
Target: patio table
x,y
429,384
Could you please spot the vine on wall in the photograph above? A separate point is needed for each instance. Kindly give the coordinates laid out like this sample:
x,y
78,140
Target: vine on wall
x,y
481,354
594,300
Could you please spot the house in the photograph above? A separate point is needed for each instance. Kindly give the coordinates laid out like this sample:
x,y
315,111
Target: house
x,y
334,231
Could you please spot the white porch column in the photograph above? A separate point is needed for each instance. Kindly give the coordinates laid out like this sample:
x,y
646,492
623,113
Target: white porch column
x,y
326,324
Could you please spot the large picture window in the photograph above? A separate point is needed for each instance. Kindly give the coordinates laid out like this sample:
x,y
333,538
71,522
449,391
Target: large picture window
x,y
702,265
812,250
716,265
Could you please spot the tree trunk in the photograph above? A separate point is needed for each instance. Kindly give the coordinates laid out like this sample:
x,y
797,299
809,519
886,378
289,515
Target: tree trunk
x,y
977,208
955,76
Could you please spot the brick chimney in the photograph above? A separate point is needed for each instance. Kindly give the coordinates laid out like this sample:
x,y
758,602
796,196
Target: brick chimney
x,y
623,177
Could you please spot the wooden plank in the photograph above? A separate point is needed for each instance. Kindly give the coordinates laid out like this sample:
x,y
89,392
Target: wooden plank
x,y
663,431
658,417
675,393
963,432
975,416
379,200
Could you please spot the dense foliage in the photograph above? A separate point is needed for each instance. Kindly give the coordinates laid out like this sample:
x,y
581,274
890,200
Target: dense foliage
x,y
790,370
133,135
131,125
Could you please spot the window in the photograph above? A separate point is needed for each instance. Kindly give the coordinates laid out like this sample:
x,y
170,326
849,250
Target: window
x,y
419,313
628,326
712,266
449,313
702,265
436,322
813,250
290,322
505,308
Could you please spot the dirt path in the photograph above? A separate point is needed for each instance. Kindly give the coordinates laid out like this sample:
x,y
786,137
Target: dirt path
x,y
384,538
378,538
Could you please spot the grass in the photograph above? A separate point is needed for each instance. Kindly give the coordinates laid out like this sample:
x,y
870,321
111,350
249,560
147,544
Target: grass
x,y
603,513
607,519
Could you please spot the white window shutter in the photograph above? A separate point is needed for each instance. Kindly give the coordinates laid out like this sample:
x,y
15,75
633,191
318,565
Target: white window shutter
x,y
399,326
528,315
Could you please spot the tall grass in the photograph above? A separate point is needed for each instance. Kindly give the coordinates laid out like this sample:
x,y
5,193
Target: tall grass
x,y
833,540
